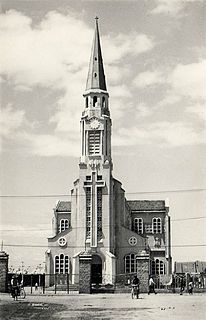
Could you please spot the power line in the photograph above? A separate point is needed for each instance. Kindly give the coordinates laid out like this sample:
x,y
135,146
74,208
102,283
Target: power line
x,y
105,226
184,219
107,194
139,246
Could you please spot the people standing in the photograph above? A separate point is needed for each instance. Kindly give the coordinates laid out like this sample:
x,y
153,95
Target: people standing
x,y
135,287
151,286
182,286
36,286
190,287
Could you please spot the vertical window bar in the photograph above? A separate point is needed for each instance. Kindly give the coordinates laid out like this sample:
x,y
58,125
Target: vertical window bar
x,y
99,213
88,213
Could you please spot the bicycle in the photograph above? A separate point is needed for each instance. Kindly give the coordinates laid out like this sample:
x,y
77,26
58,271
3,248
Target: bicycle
x,y
22,293
135,291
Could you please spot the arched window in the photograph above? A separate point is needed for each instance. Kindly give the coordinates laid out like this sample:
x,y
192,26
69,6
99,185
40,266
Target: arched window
x,y
66,259
87,102
130,263
138,225
61,264
157,267
153,268
94,101
63,225
162,267
157,225
56,266
103,102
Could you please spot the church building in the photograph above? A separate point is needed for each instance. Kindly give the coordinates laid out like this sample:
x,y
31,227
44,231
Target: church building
x,y
99,229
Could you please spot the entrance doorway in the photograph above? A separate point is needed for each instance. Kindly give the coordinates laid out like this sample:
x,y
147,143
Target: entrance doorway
x,y
96,269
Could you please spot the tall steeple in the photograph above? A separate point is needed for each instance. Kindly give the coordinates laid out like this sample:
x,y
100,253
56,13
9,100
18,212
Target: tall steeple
x,y
95,120
96,77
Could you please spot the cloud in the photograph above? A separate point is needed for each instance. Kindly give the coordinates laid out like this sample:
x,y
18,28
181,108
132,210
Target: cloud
x,y
148,78
199,110
142,110
121,91
169,99
190,80
10,120
171,7
164,133
55,54
46,54
118,47
50,145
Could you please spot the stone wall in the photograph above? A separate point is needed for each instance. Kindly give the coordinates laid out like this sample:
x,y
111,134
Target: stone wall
x,y
3,271
85,273
143,272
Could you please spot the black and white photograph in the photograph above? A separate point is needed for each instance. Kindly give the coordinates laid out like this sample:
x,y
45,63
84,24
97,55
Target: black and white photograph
x,y
103,159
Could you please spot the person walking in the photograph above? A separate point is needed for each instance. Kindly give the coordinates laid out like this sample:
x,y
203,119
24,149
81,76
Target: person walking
x,y
151,286
190,287
14,287
135,287
182,286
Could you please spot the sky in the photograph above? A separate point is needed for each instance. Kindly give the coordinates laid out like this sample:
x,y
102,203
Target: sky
x,y
154,55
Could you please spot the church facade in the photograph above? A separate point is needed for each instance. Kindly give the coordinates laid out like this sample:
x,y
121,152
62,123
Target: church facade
x,y
121,236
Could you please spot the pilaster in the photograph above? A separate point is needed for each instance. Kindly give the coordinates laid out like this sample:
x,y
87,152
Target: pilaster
x,y
85,260
4,259
143,271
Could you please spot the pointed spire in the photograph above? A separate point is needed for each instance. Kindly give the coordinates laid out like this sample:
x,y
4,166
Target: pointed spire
x,y
96,78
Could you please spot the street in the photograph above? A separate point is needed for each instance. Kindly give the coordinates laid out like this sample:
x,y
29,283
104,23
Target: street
x,y
104,306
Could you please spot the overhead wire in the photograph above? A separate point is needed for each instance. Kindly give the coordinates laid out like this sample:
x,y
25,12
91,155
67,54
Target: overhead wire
x,y
107,194
140,246
105,226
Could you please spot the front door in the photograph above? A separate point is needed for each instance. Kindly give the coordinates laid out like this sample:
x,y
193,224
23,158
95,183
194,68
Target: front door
x,y
96,269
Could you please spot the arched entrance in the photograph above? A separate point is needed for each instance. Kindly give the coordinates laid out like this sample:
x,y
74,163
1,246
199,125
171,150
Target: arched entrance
x,y
96,269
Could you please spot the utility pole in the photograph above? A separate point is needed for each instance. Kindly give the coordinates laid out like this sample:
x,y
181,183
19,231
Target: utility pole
x,y
40,268
22,272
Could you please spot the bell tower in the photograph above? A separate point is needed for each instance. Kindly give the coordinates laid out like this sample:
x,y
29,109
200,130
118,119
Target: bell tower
x,y
95,121
95,167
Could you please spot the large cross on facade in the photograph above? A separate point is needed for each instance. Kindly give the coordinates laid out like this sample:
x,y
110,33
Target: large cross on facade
x,y
93,184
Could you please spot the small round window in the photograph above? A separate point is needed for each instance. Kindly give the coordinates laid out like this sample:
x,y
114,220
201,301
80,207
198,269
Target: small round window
x,y
132,241
62,241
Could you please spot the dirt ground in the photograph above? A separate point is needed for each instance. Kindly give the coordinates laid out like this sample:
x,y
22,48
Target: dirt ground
x,y
104,306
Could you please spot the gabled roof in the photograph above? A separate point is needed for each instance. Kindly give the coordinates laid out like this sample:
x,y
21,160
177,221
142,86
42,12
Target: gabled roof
x,y
146,205
96,77
63,206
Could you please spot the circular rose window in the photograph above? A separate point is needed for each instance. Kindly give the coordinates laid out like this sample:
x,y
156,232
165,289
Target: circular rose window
x,y
132,241
62,241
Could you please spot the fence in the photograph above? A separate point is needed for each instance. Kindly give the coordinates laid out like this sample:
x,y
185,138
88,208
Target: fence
x,y
57,283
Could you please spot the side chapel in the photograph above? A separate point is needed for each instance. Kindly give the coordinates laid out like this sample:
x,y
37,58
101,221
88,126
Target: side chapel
x,y
117,236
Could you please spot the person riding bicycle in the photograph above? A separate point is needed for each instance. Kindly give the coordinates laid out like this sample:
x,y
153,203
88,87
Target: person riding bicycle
x,y
14,287
135,286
